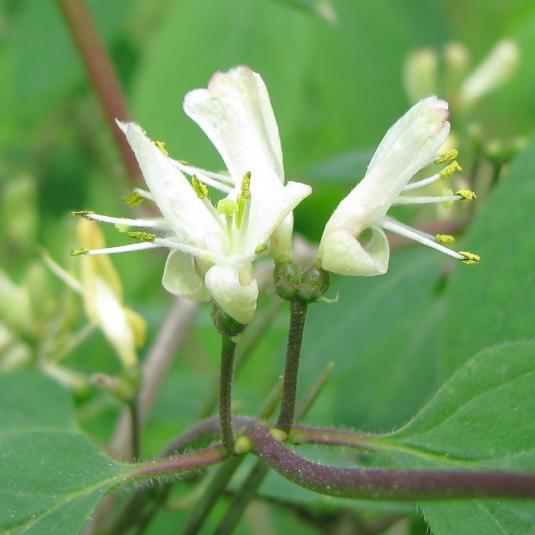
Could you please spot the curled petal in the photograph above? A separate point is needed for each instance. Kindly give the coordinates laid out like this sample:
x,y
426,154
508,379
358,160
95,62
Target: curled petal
x,y
265,217
183,211
343,254
180,277
237,298
235,113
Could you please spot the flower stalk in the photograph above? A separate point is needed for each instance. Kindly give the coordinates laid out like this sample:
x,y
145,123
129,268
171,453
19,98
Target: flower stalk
x,y
228,351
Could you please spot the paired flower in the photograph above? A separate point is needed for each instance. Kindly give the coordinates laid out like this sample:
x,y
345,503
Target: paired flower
x,y
410,145
213,247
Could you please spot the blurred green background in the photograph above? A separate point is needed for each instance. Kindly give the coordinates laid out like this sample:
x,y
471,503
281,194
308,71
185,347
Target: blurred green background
x,y
335,89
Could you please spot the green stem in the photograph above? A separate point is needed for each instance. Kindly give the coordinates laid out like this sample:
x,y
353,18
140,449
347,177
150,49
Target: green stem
x,y
228,350
133,408
293,352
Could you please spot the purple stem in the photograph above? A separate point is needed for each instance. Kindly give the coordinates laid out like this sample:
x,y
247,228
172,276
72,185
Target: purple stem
x,y
388,484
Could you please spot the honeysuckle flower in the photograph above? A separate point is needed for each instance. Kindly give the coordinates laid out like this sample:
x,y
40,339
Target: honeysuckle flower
x,y
410,145
213,247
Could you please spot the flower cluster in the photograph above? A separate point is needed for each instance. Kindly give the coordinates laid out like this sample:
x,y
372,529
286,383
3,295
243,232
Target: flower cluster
x,y
213,246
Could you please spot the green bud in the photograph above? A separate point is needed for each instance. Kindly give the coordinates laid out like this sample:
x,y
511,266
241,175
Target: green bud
x,y
291,282
226,325
314,283
287,277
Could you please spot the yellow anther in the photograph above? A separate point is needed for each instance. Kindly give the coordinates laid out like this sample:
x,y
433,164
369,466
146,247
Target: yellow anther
x,y
447,156
450,169
161,146
243,445
79,251
466,194
246,185
470,258
227,207
278,434
200,189
133,199
444,238
142,236
260,249
82,213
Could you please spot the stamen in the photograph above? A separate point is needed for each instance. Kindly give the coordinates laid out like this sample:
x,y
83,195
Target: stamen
x,y
407,232
200,189
422,183
260,249
133,199
143,236
189,249
161,146
466,194
426,200
450,169
444,238
243,201
122,221
470,258
114,250
203,177
447,156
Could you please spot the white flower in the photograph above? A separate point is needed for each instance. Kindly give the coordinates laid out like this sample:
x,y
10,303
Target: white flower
x,y
212,248
411,144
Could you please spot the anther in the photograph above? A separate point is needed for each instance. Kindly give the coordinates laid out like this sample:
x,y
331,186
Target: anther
x,y
466,194
82,213
246,185
447,156
444,238
200,189
161,146
450,169
470,258
79,251
142,236
260,249
133,199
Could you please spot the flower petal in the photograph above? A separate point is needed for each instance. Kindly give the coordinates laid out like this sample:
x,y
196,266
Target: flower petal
x,y
236,299
181,278
235,113
184,212
343,254
407,147
265,217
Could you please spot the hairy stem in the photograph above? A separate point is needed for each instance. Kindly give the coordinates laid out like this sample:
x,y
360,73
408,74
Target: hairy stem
x,y
293,352
101,74
389,484
228,351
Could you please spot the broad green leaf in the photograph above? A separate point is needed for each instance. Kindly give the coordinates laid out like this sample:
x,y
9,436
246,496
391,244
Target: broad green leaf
x,y
52,481
52,475
382,337
495,301
29,400
481,418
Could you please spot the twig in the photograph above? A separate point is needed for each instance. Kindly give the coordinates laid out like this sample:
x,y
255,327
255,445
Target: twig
x,y
101,74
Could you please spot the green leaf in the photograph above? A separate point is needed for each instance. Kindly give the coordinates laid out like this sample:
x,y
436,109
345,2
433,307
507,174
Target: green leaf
x,y
382,337
28,400
495,301
52,475
481,418
52,481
